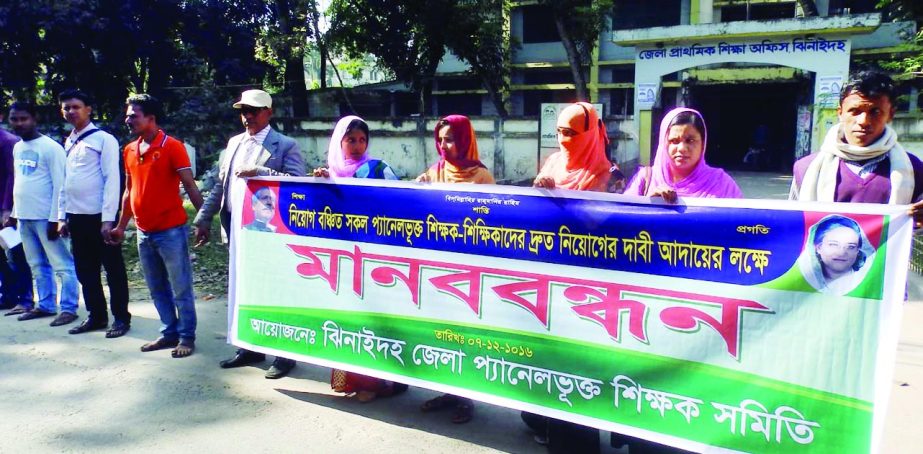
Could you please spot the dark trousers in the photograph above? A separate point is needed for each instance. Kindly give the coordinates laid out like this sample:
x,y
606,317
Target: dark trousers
x,y
90,255
15,278
563,437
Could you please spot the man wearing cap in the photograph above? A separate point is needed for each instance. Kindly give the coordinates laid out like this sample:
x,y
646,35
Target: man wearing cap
x,y
258,151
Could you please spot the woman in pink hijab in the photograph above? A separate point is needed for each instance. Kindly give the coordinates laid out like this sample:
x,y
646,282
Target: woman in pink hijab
x,y
679,167
347,153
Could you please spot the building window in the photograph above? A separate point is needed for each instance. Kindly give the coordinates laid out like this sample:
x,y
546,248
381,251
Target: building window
x,y
467,104
621,102
629,14
547,76
758,11
532,99
538,25
841,7
460,83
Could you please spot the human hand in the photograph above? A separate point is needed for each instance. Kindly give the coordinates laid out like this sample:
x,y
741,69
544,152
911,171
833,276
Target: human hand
x,y
201,235
916,210
52,231
9,222
321,172
64,231
668,194
116,236
248,171
424,178
105,229
544,182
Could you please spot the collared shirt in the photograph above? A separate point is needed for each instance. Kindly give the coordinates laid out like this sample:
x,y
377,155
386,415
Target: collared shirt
x,y
92,176
865,168
154,172
39,165
246,155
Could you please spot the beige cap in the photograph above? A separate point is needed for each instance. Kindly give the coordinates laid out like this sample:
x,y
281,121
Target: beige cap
x,y
254,98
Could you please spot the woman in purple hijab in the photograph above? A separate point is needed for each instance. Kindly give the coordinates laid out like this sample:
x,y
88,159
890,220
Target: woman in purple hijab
x,y
679,167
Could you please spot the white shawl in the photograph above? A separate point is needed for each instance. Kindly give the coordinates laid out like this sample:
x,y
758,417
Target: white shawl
x,y
819,183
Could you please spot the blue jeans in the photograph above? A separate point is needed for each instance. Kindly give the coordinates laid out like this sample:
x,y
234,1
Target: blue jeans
x,y
46,257
168,271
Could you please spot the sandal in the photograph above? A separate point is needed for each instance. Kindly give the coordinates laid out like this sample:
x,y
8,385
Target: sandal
x,y
464,411
183,349
159,344
439,403
117,330
19,309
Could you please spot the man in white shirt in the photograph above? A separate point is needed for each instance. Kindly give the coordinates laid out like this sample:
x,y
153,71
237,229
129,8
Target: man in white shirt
x,y
39,166
258,151
89,207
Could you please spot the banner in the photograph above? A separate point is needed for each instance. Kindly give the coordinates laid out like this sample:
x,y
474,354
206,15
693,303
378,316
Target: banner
x,y
720,325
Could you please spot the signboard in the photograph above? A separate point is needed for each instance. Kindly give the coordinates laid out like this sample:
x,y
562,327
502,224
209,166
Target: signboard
x,y
727,325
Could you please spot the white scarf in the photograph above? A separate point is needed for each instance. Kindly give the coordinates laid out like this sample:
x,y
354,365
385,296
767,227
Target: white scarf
x,y
819,182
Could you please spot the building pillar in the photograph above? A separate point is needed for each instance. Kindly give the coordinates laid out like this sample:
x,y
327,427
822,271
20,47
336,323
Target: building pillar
x,y
593,86
645,119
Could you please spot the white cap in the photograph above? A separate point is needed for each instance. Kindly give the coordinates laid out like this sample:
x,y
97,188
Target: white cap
x,y
254,98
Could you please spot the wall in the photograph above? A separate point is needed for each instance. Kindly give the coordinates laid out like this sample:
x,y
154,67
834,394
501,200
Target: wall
x,y
509,149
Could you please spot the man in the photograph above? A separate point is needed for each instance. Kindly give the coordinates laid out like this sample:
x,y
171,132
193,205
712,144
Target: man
x,y
15,276
263,204
860,160
89,205
155,165
259,151
39,167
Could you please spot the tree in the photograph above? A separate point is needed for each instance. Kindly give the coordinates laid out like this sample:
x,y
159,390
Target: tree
x,y
480,37
911,63
405,36
579,24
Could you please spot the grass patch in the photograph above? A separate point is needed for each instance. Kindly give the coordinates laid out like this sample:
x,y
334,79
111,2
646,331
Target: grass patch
x,y
209,266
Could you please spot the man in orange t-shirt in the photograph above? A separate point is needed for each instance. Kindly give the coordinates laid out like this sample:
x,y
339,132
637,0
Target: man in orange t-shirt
x,y
155,165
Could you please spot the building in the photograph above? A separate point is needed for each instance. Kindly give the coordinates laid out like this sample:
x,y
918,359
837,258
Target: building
x,y
744,64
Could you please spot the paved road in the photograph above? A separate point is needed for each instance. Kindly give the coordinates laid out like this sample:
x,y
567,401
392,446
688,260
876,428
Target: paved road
x,y
63,393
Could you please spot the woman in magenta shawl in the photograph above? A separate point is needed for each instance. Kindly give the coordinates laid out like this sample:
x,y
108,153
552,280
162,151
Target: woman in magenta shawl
x,y
679,167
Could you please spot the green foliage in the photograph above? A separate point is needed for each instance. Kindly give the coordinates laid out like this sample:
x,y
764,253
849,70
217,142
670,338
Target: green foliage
x,y
405,36
409,38
479,36
583,21
911,62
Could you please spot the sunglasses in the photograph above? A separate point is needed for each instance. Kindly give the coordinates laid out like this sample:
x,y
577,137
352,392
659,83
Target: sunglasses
x,y
250,109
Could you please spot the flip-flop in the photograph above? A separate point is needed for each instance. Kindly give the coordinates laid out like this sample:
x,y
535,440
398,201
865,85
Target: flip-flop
x,y
159,344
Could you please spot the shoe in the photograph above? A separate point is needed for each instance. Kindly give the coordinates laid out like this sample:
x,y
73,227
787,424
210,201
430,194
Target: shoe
x,y
34,313
118,330
87,325
63,318
242,358
280,368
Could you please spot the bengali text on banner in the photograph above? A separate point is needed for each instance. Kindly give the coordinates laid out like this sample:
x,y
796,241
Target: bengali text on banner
x,y
728,325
